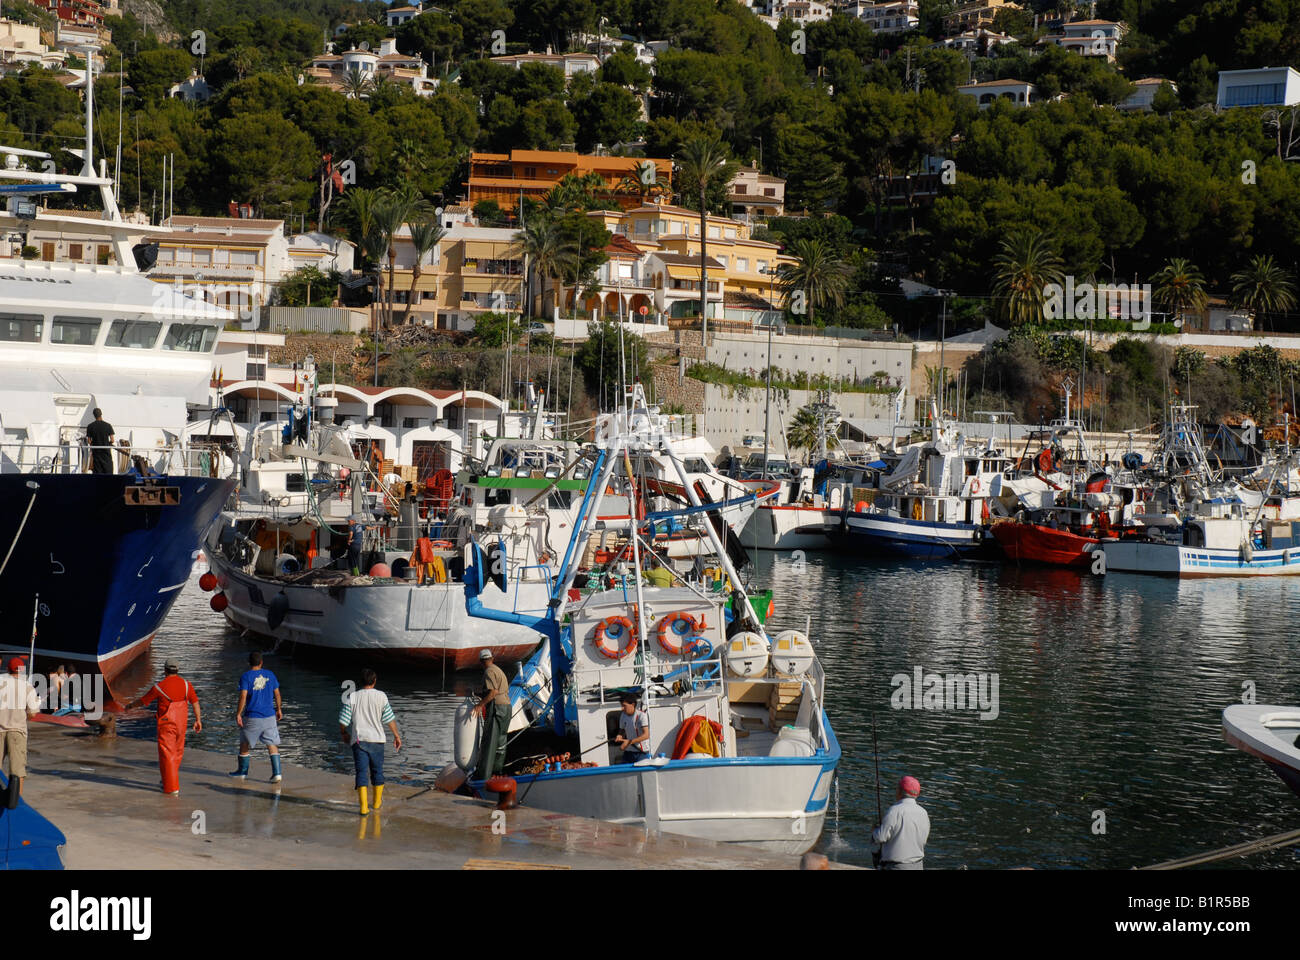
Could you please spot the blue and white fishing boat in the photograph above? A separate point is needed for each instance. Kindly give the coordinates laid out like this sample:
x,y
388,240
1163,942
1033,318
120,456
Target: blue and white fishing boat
x,y
91,563
934,503
740,745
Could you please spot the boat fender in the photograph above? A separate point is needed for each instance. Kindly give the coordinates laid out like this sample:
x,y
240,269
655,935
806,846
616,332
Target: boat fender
x,y
1247,551
208,582
670,637
277,609
978,534
219,602
466,734
450,778
1288,556
613,631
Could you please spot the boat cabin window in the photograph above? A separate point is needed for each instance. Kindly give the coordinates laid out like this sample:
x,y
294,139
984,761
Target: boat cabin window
x,y
696,465
21,327
78,331
134,334
190,337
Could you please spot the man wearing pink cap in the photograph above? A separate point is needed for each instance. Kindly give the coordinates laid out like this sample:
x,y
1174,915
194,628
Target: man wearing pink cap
x,y
904,830
18,701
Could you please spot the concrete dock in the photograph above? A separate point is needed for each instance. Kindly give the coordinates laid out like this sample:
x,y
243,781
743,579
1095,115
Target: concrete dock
x,y
104,794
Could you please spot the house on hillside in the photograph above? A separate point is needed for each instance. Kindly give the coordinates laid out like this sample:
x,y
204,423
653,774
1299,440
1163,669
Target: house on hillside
x,y
1019,92
1263,87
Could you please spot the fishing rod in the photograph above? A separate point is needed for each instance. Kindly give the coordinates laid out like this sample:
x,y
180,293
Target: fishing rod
x,y
875,749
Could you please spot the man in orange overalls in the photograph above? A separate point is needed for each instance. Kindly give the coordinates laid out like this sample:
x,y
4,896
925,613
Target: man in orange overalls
x,y
174,694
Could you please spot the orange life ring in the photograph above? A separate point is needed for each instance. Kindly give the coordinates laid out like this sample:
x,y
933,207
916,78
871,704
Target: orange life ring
x,y
975,485
443,545
667,634
603,639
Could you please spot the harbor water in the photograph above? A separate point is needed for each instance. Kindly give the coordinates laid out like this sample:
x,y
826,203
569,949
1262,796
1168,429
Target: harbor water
x,y
1103,748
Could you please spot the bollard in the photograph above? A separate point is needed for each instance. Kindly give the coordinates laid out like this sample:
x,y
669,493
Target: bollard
x,y
504,788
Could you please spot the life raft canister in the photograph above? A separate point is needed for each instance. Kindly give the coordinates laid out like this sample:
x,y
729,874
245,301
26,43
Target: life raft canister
x,y
613,631
674,628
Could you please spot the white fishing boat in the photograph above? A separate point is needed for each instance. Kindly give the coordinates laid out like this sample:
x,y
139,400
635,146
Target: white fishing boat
x,y
740,746
1270,733
799,517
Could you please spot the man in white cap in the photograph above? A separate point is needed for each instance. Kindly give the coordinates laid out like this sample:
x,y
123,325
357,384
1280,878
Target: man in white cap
x,y
904,830
496,718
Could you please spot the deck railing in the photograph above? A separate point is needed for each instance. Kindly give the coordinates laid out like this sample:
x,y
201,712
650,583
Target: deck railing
x,y
69,458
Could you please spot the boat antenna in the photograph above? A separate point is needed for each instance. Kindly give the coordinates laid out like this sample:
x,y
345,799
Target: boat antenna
x,y
88,167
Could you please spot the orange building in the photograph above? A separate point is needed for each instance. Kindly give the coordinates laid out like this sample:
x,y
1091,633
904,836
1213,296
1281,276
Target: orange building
x,y
504,177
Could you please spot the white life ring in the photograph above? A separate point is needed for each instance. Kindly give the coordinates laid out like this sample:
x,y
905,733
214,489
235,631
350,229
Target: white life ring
x,y
975,485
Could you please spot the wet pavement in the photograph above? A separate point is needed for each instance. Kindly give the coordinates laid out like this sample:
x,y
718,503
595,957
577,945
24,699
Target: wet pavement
x,y
104,795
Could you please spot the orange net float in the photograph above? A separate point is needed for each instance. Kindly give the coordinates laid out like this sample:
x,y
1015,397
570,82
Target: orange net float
x,y
668,632
613,631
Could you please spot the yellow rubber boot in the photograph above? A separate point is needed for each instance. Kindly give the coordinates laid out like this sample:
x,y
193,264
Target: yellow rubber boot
x,y
379,796
361,795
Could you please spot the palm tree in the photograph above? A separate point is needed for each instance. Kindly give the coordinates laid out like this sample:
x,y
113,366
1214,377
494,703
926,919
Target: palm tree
x,y
393,209
1180,287
820,276
360,203
704,161
644,181
802,434
1263,287
355,84
575,192
1026,265
425,236
545,250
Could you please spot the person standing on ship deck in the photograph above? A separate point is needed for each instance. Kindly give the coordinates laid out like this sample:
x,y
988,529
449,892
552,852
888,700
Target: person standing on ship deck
x,y
496,718
99,434
174,695
904,830
634,730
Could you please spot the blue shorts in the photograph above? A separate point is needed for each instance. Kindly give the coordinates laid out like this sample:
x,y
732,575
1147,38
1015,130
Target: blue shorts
x,y
259,730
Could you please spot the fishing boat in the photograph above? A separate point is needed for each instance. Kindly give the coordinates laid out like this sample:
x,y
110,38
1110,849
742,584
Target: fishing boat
x,y
92,562
740,745
1270,733
933,505
279,566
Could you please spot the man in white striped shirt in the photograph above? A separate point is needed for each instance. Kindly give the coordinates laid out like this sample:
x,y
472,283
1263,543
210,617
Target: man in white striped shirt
x,y
362,720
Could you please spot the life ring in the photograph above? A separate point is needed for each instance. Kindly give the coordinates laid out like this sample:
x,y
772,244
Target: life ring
x,y
975,485
625,632
443,545
698,648
667,633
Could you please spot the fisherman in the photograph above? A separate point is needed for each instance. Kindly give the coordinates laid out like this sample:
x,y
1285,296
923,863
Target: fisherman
x,y
356,538
496,717
18,701
633,729
99,434
174,694
362,720
257,715
57,679
656,573
903,832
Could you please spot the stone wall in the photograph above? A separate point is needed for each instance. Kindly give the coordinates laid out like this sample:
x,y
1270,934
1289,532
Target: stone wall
x,y
330,351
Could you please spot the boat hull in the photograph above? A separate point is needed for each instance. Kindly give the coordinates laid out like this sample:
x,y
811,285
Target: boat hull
x,y
1173,560
914,539
1033,543
107,572
1269,733
418,624
790,527
776,803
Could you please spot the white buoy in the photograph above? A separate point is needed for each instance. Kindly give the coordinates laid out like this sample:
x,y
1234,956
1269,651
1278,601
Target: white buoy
x,y
467,734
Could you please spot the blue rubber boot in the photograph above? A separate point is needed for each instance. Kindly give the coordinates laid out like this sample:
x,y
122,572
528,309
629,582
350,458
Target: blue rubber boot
x,y
242,772
275,768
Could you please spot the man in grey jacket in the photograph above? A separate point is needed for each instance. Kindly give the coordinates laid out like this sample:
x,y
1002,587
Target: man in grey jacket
x,y
904,830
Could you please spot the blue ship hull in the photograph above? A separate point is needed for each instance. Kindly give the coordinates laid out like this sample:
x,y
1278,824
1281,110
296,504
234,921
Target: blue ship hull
x,y
107,570
913,539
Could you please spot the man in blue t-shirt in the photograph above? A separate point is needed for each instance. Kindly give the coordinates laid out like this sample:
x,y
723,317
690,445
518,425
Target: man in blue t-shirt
x,y
257,715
